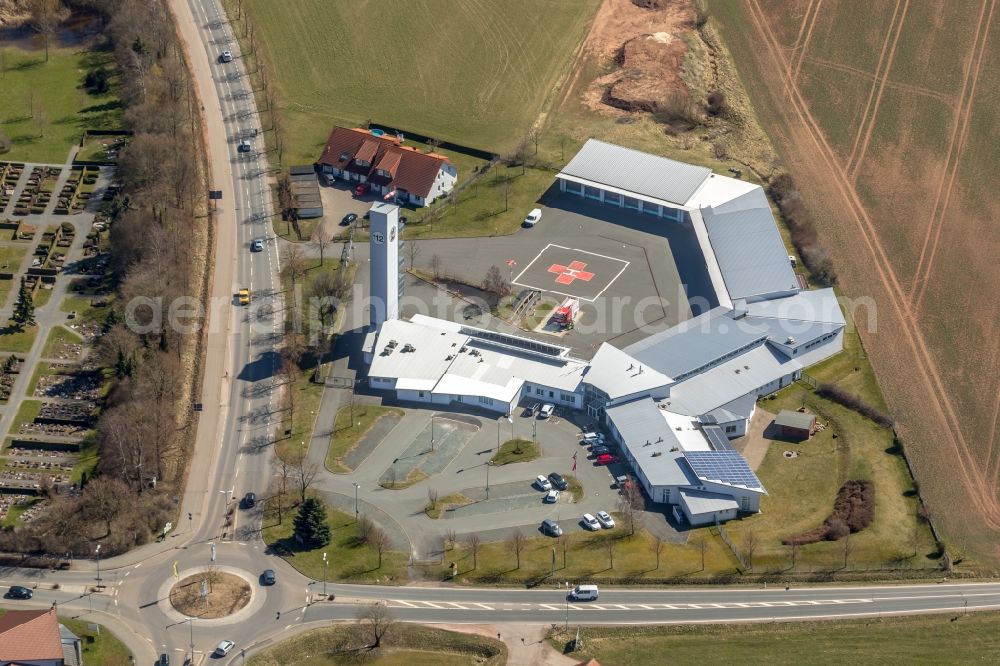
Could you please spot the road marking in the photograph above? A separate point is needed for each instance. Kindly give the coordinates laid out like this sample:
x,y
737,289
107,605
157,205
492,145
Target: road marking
x,y
483,606
456,605
550,607
405,603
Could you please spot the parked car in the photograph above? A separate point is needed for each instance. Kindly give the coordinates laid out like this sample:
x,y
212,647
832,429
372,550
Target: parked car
x,y
543,483
19,592
606,459
249,501
268,577
244,146
348,220
590,427
244,296
599,450
546,411
164,660
551,527
592,437
590,522
557,481
552,496
257,245
360,189
533,217
605,519
532,408
71,315
226,56
224,648
583,593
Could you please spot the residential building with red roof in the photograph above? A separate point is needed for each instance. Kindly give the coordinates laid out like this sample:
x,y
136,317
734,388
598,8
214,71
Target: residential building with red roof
x,y
35,638
391,170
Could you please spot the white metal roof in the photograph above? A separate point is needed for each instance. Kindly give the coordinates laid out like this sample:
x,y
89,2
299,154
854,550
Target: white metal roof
x,y
698,502
618,375
751,255
819,305
635,171
717,190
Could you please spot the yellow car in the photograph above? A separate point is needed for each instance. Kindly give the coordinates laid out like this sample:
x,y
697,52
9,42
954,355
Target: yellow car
x,y
244,297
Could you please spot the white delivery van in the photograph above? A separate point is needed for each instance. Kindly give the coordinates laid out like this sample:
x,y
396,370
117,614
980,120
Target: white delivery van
x,y
583,593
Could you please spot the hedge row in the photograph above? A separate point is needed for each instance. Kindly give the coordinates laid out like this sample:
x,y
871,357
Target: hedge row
x,y
853,511
804,237
853,402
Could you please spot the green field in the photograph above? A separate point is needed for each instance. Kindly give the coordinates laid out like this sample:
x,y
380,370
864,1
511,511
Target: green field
x,y
930,639
475,73
44,108
347,435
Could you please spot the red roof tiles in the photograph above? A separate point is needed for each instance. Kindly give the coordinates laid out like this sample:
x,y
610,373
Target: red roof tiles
x,y
30,635
409,169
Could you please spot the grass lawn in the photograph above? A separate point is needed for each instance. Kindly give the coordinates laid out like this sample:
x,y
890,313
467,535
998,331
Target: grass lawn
x,y
44,108
928,639
403,645
515,451
58,337
493,205
346,435
483,75
14,513
85,308
41,297
587,559
348,558
306,397
801,491
17,340
444,503
10,261
26,412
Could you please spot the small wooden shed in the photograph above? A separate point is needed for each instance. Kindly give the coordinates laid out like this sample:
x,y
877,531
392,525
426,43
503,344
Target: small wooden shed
x,y
795,425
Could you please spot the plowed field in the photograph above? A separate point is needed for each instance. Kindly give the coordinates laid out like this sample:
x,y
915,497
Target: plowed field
x,y
886,113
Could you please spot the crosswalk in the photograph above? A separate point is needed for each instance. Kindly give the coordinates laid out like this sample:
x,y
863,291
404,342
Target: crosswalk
x,y
584,607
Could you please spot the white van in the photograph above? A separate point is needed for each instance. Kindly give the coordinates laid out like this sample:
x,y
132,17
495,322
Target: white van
x,y
583,593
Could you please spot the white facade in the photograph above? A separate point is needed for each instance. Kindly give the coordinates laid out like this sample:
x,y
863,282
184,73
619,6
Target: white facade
x,y
384,264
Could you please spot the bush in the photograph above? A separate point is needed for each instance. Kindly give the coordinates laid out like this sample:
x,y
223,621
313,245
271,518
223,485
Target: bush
x,y
716,103
97,81
853,402
853,511
803,234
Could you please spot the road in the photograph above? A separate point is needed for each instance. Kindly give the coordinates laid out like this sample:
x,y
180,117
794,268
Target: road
x,y
229,460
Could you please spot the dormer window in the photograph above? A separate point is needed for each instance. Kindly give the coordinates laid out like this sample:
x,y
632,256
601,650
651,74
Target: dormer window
x,y
343,157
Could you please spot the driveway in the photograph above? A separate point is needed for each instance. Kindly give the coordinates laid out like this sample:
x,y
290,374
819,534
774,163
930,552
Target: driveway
x,y
339,201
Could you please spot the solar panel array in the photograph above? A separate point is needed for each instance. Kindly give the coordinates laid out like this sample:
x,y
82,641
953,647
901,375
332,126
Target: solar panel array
x,y
724,466
717,438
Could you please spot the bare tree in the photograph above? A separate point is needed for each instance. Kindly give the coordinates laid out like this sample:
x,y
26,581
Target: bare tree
x,y
321,240
379,540
609,544
495,283
378,620
702,545
432,498
365,528
629,505
293,263
657,548
794,545
473,541
515,543
564,547
304,472
103,500
413,251
451,538
280,484
44,19
848,548
436,266
749,548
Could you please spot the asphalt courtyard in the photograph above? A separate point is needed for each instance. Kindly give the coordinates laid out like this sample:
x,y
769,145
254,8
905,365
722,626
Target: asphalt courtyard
x,y
633,273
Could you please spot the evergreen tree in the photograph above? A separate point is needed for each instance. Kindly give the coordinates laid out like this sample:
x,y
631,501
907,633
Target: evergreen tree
x,y
310,526
24,308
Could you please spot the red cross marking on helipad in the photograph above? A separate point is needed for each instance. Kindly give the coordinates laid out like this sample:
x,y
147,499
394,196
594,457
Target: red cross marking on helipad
x,y
567,274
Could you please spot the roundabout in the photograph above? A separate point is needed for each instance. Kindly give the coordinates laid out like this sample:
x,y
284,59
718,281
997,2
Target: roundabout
x,y
210,595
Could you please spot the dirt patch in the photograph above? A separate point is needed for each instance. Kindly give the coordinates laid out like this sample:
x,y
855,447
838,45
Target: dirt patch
x,y
226,595
649,71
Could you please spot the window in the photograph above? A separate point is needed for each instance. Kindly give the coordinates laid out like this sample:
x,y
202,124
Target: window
x,y
613,198
552,394
591,192
631,202
730,429
567,397
539,391
421,394
744,503
573,188
486,401
651,208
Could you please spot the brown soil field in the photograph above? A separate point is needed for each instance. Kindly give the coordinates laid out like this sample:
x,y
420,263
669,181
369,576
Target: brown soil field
x,y
886,113
226,595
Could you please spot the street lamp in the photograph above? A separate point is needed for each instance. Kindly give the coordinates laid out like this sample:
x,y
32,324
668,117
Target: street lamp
x,y
98,554
356,487
324,573
191,624
566,583
489,463
432,433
